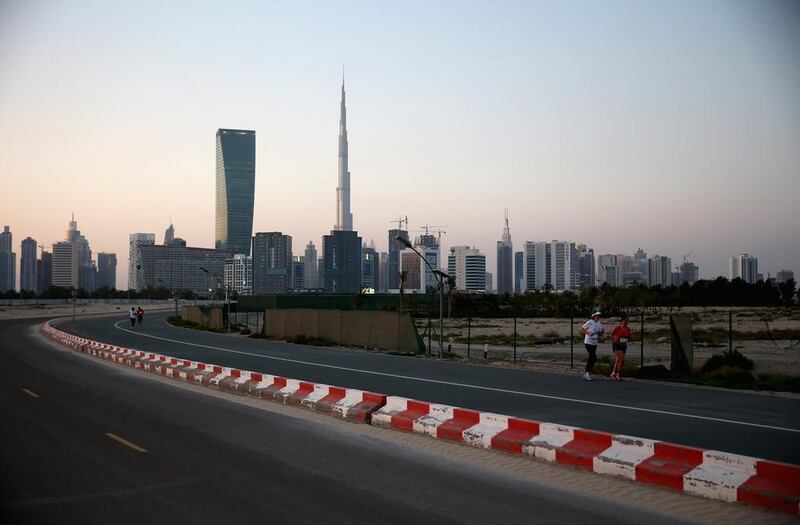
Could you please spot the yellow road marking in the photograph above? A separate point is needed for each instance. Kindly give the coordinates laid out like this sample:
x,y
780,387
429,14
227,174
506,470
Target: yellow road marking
x,y
125,442
30,392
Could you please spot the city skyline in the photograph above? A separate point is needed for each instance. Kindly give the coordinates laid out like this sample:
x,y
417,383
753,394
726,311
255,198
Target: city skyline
x,y
560,178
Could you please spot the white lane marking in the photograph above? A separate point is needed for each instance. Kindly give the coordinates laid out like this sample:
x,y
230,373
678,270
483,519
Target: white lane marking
x,y
464,385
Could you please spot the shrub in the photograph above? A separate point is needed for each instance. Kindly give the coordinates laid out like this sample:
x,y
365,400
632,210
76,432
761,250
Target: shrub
x,y
730,359
731,375
245,331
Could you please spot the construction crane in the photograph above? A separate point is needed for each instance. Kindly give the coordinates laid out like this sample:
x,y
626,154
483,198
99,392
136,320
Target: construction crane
x,y
686,257
400,222
428,229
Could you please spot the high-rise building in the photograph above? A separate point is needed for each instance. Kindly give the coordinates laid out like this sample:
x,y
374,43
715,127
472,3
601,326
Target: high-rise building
x,y
586,266
62,264
383,271
272,263
235,192
370,267
468,266
785,275
519,265
341,253
239,274
27,265
344,218
552,265
311,267
106,270
88,277
298,272
179,268
744,267
505,262
689,273
8,262
608,270
393,264
659,269
135,243
418,277
44,272
489,282
428,246
169,235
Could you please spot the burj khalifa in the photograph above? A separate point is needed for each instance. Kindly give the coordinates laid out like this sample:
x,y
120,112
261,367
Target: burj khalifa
x,y
344,218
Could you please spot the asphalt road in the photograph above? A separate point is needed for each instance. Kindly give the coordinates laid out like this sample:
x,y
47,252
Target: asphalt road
x,y
754,424
87,442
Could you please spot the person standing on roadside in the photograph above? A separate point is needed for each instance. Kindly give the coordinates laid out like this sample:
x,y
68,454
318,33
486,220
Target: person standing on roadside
x,y
620,336
591,330
140,315
132,316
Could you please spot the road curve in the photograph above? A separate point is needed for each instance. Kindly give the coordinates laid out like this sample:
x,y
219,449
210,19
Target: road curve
x,y
754,424
89,442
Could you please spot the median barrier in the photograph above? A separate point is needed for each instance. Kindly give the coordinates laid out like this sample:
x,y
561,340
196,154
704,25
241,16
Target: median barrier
x,y
706,473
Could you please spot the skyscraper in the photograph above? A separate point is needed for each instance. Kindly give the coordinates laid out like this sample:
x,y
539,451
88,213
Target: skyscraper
x,y
519,265
8,262
298,272
505,262
344,219
341,253
272,263
310,267
62,264
135,242
744,267
551,264
106,270
239,274
393,264
44,272
235,192
27,265
169,235
370,267
468,267
659,271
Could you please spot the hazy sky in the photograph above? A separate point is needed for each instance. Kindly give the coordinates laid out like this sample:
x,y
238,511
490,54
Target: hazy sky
x,y
670,125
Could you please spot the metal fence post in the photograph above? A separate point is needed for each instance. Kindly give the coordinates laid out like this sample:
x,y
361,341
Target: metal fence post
x,y
641,342
730,332
469,334
572,338
515,338
429,329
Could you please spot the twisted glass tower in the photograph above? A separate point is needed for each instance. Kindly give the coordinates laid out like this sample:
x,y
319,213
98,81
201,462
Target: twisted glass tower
x,y
236,178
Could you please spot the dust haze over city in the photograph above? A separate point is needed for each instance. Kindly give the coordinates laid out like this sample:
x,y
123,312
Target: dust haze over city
x,y
669,127
565,232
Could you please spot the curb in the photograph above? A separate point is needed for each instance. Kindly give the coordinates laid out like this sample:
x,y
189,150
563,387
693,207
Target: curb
x,y
707,473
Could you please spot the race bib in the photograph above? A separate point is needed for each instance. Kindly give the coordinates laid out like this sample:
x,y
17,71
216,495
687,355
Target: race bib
x,y
623,339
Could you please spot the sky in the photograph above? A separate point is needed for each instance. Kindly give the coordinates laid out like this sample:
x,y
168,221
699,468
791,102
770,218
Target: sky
x,y
672,126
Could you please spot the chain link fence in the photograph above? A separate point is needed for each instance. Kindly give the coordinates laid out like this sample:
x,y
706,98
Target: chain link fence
x,y
769,337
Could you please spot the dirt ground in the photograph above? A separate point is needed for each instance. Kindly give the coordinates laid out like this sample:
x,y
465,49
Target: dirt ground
x,y
26,312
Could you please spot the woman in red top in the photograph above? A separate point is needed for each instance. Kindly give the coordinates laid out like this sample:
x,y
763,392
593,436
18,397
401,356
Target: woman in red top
x,y
620,336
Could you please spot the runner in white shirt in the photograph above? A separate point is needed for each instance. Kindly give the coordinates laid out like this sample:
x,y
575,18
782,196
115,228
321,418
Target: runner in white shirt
x,y
592,330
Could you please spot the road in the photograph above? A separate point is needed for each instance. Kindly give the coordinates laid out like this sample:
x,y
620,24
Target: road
x,y
754,424
91,442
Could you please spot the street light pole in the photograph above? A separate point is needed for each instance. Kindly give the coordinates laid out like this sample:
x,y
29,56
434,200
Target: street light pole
x,y
227,302
440,277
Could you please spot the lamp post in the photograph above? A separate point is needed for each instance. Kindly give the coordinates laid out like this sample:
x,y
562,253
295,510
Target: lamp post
x,y
174,292
227,303
440,277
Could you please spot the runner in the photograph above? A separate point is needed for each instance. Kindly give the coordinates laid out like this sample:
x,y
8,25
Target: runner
x,y
592,330
140,315
132,316
620,336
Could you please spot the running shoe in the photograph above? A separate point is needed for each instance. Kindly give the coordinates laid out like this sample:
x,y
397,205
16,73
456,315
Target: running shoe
x,y
587,377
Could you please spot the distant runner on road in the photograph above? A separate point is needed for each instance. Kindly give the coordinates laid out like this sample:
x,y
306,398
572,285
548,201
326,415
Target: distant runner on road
x,y
140,315
132,316
592,330
620,336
